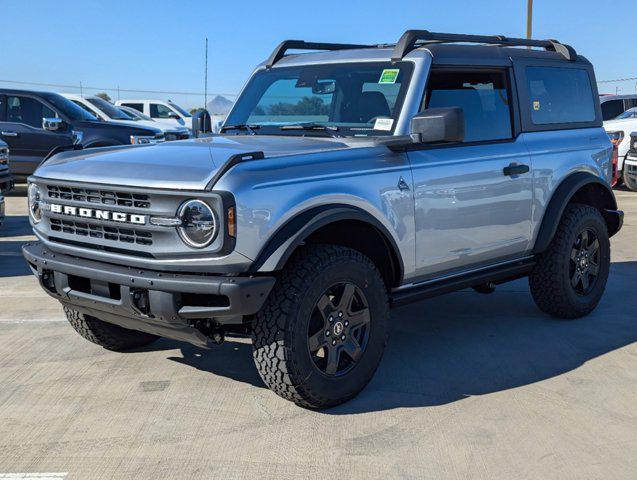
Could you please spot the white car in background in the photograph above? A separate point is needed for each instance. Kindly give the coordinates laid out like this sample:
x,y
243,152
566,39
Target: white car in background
x,y
183,132
624,125
166,113
108,112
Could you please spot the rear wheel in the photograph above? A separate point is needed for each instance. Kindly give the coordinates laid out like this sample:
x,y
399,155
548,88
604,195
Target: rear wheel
x,y
107,335
322,332
570,277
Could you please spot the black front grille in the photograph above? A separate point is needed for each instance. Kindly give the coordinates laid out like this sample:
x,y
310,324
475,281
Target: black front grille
x,y
101,197
92,230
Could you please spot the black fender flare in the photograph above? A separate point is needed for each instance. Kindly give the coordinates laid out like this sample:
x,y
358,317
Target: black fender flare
x,y
563,195
288,237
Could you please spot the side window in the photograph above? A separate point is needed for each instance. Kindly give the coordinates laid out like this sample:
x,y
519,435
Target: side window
x,y
27,110
160,111
560,95
137,106
3,108
612,109
483,96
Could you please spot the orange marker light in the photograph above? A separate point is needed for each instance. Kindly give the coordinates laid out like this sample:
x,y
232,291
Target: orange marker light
x,y
232,226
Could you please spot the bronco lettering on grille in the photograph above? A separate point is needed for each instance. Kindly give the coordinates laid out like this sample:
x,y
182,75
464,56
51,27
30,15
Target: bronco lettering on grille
x,y
98,214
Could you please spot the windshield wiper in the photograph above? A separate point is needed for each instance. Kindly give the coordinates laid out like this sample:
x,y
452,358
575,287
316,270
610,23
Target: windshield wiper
x,y
243,126
319,127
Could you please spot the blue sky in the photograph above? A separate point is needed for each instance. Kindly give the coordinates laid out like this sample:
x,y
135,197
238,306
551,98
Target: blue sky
x,y
158,45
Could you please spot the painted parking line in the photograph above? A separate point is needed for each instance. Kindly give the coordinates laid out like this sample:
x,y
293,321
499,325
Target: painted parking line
x,y
34,476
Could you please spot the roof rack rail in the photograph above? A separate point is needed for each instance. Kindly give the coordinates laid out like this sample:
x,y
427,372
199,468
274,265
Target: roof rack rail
x,y
286,45
409,41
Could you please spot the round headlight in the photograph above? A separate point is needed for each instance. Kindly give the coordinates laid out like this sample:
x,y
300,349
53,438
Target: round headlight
x,y
35,197
198,224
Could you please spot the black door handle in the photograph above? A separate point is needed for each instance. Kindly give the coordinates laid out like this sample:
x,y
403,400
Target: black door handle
x,y
515,169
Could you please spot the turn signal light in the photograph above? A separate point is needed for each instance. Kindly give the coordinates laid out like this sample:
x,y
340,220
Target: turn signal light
x,y
232,226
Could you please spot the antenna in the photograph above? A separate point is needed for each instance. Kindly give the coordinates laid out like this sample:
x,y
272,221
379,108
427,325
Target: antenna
x,y
205,94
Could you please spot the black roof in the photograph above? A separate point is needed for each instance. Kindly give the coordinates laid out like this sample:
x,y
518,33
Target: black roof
x,y
447,45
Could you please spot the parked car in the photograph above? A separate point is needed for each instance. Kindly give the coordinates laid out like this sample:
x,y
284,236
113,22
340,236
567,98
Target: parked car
x,y
178,133
615,105
34,123
165,113
630,165
347,181
108,112
620,128
6,179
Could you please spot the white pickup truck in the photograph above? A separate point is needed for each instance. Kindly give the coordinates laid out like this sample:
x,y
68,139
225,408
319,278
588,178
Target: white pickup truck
x,y
166,113
624,125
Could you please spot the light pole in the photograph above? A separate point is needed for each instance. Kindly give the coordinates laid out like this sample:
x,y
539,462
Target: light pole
x,y
529,19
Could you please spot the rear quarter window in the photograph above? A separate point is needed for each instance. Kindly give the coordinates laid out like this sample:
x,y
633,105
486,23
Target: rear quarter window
x,y
560,95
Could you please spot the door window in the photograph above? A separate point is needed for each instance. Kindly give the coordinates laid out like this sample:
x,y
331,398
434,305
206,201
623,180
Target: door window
x,y
28,110
612,109
160,111
483,96
137,106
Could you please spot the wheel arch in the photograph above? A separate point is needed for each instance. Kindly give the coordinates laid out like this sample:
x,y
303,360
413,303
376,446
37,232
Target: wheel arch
x,y
579,187
343,225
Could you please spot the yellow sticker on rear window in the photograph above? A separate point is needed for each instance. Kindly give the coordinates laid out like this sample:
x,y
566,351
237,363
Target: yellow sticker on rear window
x,y
389,75
536,105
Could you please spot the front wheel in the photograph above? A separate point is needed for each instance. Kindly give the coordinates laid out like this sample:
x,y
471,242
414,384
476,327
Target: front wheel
x,y
569,279
630,182
321,334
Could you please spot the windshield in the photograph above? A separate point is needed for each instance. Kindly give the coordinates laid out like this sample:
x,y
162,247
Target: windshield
x,y
110,110
630,113
135,113
356,98
68,108
180,110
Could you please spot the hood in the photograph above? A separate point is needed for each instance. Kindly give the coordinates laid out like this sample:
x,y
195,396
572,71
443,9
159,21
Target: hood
x,y
622,124
129,127
180,165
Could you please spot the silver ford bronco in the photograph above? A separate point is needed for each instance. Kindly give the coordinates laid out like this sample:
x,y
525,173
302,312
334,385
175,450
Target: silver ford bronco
x,y
344,181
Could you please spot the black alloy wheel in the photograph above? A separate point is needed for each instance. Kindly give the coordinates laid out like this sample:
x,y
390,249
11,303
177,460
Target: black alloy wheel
x,y
339,329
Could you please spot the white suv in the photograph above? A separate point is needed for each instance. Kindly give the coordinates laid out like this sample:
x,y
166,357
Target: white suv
x,y
166,113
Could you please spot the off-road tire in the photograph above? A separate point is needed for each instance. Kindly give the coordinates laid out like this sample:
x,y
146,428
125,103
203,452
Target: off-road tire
x,y
631,183
280,344
550,281
107,335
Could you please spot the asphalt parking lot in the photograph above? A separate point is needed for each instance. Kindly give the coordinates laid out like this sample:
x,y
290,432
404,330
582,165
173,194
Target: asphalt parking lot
x,y
471,386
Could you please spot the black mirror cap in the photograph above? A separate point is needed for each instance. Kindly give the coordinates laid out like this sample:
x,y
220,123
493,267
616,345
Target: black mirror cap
x,y
435,125
201,123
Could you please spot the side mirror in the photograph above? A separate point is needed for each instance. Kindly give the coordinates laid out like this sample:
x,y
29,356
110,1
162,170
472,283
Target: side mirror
x,y
53,124
201,123
438,125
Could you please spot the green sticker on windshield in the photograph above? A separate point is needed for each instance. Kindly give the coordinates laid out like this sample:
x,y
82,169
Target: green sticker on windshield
x,y
389,75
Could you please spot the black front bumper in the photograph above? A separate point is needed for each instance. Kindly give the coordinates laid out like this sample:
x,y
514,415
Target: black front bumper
x,y
162,303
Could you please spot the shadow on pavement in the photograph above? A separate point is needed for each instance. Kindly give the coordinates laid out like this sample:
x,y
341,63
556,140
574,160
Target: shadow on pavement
x,y
465,344
12,264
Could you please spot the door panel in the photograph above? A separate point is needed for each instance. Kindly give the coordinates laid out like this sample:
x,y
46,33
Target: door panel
x,y
22,130
468,212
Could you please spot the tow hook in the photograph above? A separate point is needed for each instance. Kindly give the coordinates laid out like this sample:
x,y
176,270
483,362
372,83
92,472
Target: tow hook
x,y
485,288
211,330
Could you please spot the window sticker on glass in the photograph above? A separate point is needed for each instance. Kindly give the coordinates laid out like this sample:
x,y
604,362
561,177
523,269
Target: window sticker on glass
x,y
536,105
389,75
383,124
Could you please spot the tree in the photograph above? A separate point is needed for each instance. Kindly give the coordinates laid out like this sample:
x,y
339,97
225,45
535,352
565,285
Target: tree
x,y
103,96
195,110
